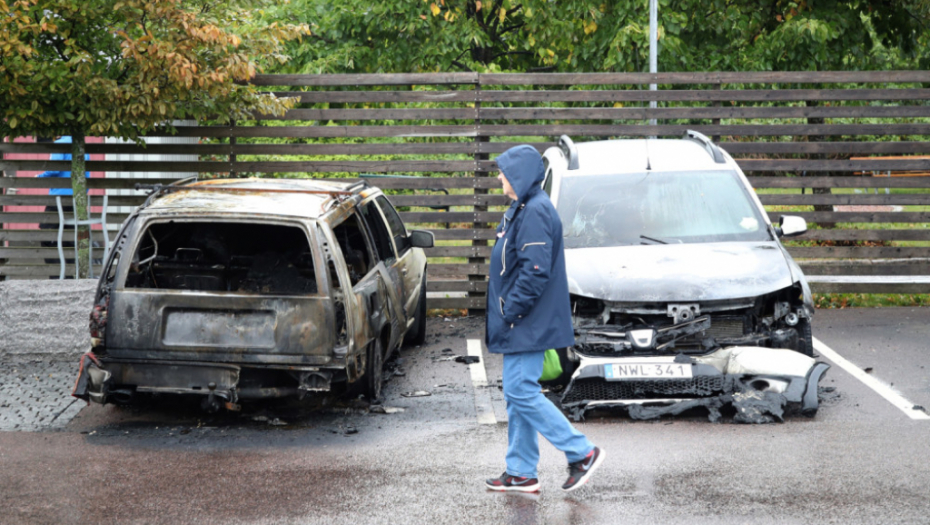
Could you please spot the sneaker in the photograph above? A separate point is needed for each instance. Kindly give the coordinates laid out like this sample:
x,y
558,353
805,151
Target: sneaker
x,y
580,471
508,483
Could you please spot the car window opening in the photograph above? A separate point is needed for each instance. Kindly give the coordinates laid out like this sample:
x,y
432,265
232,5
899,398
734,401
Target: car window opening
x,y
351,239
224,257
379,233
401,241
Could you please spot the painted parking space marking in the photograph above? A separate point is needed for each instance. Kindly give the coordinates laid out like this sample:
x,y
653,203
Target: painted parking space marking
x,y
479,380
880,388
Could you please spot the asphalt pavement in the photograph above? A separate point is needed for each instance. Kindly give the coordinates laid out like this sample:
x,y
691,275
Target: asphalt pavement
x,y
862,459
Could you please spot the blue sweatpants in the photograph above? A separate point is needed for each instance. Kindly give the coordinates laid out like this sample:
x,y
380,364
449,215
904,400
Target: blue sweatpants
x,y
530,413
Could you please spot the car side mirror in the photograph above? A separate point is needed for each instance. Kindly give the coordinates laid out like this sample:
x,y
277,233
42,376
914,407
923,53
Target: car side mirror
x,y
790,226
422,239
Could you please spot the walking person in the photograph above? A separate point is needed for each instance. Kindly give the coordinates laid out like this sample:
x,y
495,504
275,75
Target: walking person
x,y
529,312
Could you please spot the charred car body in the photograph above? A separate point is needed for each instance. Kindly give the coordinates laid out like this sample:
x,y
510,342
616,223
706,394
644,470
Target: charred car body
x,y
255,288
682,293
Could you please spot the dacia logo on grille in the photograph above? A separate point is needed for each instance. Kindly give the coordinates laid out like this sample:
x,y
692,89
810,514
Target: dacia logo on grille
x,y
643,339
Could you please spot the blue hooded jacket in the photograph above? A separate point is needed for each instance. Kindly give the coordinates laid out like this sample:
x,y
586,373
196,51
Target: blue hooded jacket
x,y
528,304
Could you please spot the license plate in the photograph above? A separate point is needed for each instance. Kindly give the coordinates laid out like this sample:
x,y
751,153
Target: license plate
x,y
616,372
218,328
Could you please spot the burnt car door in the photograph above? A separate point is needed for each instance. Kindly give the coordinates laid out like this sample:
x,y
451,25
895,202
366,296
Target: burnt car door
x,y
411,267
361,288
389,268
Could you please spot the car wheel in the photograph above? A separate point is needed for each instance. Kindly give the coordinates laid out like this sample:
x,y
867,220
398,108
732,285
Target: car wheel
x,y
374,371
805,338
417,333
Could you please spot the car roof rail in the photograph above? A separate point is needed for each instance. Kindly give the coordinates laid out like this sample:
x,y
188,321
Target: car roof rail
x,y
711,148
356,186
570,151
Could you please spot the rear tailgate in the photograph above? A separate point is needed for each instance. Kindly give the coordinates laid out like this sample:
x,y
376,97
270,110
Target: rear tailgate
x,y
220,327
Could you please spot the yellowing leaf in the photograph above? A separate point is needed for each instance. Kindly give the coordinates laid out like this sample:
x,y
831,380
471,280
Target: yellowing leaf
x,y
434,8
477,6
531,40
503,14
618,105
423,17
551,52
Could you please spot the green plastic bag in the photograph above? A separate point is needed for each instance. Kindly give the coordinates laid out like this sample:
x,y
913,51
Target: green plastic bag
x,y
552,368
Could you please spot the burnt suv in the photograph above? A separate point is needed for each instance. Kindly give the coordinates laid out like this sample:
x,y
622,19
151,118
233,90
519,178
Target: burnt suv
x,y
255,288
681,291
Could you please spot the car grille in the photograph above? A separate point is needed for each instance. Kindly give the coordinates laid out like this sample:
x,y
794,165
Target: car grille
x,y
722,327
728,327
598,389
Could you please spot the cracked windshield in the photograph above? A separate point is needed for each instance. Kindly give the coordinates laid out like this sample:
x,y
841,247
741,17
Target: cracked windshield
x,y
657,208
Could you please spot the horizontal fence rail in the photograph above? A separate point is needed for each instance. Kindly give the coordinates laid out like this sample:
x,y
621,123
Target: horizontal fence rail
x,y
847,151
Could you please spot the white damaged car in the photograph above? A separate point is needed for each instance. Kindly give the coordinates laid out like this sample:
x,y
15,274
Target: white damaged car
x,y
682,294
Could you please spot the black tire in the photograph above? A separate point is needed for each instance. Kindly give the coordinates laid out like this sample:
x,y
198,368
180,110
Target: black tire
x,y
805,338
373,380
416,335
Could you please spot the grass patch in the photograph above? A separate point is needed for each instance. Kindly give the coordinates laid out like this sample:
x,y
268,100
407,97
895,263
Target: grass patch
x,y
869,300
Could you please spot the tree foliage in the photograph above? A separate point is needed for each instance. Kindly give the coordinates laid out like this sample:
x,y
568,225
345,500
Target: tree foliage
x,y
121,68
596,35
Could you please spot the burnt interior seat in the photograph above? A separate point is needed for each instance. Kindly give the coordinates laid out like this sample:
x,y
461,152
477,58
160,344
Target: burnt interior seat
x,y
355,260
188,255
241,262
187,270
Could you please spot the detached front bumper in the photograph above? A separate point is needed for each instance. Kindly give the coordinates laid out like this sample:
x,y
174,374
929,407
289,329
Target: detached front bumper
x,y
116,379
741,376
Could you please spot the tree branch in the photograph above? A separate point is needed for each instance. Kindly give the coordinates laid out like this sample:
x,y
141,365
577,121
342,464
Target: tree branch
x,y
916,18
462,66
495,57
511,28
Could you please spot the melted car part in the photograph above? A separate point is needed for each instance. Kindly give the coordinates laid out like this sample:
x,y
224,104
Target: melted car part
x,y
757,382
777,320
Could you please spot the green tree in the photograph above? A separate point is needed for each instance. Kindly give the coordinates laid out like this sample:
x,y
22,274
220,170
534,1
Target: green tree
x,y
597,35
122,68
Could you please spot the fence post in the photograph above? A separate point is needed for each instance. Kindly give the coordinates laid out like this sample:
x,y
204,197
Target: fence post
x,y
716,104
232,149
820,191
479,156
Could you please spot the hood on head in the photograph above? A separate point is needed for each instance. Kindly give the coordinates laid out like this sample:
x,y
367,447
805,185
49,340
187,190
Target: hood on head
x,y
523,167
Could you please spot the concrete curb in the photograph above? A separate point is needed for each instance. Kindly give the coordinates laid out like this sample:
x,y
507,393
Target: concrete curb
x,y
45,319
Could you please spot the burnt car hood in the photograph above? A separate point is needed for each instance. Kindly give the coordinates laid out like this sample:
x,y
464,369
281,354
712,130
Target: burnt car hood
x,y
677,272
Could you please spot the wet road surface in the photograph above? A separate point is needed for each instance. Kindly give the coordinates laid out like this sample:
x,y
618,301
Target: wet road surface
x,y
860,460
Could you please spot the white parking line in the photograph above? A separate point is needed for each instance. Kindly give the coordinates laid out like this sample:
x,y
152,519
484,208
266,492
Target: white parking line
x,y
479,380
880,388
